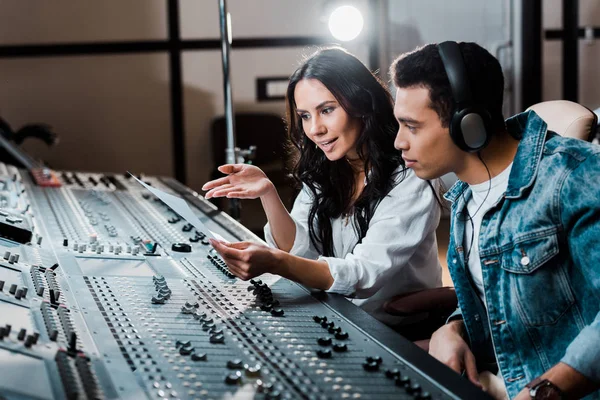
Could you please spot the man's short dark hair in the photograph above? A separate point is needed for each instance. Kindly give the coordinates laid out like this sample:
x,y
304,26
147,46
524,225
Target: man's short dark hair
x,y
424,67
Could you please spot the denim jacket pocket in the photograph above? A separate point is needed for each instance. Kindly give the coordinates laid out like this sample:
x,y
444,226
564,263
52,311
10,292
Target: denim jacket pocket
x,y
539,285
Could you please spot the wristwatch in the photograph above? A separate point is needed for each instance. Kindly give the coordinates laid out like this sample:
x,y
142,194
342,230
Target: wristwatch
x,y
543,389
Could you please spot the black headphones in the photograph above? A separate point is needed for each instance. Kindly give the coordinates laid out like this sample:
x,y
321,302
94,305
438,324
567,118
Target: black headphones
x,y
470,124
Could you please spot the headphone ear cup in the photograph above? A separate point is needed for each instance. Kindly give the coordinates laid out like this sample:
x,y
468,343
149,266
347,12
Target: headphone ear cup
x,y
469,129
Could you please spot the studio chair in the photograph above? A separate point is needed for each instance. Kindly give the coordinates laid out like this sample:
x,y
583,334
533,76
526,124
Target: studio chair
x,y
568,119
563,117
267,132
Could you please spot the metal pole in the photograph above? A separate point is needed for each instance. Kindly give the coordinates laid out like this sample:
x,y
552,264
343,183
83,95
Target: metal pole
x,y
570,53
230,152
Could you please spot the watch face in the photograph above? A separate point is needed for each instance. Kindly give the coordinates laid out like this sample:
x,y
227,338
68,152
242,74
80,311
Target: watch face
x,y
546,391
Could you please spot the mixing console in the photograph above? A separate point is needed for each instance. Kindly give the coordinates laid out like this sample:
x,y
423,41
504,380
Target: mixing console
x,y
106,293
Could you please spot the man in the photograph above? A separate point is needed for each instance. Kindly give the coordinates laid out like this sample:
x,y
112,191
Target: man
x,y
524,250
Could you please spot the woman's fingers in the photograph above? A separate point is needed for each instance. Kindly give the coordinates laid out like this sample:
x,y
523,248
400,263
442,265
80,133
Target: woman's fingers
x,y
215,192
227,192
216,183
240,194
227,252
230,168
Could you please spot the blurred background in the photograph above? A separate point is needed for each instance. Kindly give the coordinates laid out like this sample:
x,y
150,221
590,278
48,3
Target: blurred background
x,y
138,84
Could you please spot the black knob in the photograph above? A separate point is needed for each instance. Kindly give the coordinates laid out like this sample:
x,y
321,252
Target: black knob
x,y
181,247
403,380
1,285
22,334
29,341
235,364
198,357
219,338
186,351
340,347
423,396
392,373
341,335
234,378
370,366
325,353
277,312
13,289
328,325
334,329
324,341
376,359
414,388
179,344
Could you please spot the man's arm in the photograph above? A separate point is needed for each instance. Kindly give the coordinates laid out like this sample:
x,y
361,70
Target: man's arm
x,y
571,382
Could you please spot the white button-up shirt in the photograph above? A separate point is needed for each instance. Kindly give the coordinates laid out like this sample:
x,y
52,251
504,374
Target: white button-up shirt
x,y
397,255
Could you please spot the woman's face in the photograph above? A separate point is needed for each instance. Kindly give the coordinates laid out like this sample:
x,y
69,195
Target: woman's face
x,y
325,122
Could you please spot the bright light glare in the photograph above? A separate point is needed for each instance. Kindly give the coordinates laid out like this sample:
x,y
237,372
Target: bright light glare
x,y
345,23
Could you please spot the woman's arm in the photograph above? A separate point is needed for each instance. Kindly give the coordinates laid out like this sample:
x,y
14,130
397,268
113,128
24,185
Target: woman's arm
x,y
283,228
247,260
244,181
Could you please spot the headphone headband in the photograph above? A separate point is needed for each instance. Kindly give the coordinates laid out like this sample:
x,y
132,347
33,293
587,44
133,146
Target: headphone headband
x,y
456,70
470,124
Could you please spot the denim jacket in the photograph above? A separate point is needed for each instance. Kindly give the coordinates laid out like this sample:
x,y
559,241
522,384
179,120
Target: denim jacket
x,y
539,249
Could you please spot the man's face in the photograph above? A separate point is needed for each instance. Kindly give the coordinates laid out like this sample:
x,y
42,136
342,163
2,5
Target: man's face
x,y
426,146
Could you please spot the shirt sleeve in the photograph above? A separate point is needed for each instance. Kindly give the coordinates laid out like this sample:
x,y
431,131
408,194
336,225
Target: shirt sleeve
x,y
580,215
403,220
302,246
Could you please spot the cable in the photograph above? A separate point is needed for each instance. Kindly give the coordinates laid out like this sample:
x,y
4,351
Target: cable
x,y
470,218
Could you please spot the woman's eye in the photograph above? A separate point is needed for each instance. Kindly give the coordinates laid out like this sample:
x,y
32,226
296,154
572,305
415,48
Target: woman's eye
x,y
327,110
304,117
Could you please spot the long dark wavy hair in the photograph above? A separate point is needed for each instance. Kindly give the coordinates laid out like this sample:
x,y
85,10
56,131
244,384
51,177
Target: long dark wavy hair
x,y
332,183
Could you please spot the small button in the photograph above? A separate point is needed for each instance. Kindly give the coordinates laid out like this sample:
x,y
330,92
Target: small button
x,y
525,261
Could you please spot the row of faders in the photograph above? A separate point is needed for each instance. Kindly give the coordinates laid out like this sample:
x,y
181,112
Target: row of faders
x,y
41,354
106,293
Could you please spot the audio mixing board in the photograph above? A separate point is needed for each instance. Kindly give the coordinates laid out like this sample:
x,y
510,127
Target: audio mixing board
x,y
106,293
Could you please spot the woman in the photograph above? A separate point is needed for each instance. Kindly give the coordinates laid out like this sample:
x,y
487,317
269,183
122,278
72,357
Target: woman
x,y
363,225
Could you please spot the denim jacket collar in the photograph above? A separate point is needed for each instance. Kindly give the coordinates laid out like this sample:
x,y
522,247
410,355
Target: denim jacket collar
x,y
527,159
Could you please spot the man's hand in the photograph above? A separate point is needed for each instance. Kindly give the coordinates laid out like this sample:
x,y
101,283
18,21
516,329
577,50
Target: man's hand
x,y
448,346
